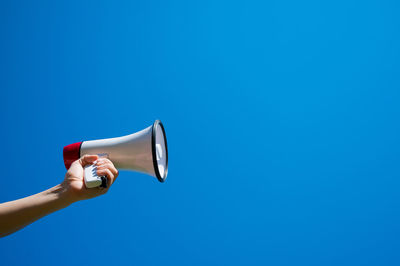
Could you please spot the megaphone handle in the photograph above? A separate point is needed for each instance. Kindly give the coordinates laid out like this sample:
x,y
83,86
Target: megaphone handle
x,y
104,180
92,179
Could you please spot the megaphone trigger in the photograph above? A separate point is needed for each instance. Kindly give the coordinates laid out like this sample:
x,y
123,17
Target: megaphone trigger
x,y
104,181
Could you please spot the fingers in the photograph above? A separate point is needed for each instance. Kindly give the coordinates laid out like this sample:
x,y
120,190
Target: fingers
x,y
106,168
88,159
106,163
107,173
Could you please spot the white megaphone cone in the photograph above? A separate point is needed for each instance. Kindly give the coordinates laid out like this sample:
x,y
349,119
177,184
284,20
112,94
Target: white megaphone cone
x,y
144,151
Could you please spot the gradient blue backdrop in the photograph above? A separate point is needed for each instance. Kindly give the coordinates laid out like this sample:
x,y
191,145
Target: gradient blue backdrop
x,y
282,120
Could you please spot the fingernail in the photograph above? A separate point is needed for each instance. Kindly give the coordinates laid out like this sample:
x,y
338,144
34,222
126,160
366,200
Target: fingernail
x,y
95,162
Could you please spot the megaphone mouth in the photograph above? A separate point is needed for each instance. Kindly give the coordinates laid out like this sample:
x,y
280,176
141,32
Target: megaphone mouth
x,y
159,151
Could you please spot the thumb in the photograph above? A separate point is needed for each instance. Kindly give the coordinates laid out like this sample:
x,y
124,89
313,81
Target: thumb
x,y
87,159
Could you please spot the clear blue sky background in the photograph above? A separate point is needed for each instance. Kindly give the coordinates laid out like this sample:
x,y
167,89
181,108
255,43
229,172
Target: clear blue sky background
x,y
282,120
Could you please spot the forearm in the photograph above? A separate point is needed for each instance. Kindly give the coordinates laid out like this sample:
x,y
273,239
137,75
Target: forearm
x,y
17,214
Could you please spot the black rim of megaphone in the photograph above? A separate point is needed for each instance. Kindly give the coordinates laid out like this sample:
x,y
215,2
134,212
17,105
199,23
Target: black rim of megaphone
x,y
153,146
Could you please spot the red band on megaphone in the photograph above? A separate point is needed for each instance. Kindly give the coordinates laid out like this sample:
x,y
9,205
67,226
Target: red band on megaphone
x,y
71,153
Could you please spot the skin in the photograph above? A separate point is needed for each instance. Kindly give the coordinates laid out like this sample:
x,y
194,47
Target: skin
x,y
17,214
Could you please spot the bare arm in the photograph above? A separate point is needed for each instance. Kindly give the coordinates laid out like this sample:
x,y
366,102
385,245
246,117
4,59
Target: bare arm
x,y
17,214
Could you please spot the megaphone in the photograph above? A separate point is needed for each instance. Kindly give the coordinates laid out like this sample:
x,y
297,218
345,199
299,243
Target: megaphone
x,y
144,151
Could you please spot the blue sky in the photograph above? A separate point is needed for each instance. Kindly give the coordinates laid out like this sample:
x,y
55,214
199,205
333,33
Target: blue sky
x,y
281,119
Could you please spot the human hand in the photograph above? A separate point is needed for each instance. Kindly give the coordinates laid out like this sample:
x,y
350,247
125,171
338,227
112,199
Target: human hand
x,y
74,183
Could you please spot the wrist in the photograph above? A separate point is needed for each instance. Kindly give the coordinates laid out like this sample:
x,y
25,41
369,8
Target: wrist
x,y
62,195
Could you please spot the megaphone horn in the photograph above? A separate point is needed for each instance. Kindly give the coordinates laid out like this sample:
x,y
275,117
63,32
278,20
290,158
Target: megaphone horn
x,y
144,151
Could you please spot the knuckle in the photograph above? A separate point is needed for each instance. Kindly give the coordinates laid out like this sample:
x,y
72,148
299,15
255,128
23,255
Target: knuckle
x,y
105,171
107,166
102,160
100,171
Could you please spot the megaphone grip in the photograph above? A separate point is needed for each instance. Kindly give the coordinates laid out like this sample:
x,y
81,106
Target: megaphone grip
x,y
91,178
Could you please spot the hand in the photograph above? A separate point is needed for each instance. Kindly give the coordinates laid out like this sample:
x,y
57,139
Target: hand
x,y
75,185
